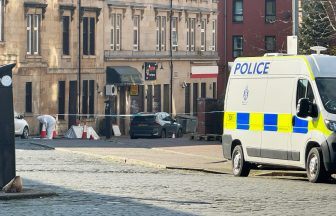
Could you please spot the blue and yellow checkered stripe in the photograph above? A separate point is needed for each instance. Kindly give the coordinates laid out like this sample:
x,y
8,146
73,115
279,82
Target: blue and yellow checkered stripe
x,y
265,122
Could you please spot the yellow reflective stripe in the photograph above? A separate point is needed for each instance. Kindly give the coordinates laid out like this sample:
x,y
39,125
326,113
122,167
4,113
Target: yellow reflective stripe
x,y
285,123
312,76
319,125
256,121
230,120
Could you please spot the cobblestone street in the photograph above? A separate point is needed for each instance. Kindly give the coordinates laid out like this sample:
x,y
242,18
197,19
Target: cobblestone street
x,y
89,186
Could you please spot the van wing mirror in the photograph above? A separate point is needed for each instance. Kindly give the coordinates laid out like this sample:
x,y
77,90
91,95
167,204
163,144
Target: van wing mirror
x,y
306,108
302,109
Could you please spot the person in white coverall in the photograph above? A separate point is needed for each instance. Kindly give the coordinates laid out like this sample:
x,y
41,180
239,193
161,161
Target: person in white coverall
x,y
49,122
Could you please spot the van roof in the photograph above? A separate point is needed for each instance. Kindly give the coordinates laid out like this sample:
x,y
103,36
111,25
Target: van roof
x,y
323,65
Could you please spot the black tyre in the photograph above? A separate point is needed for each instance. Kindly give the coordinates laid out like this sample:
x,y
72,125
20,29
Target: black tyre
x,y
315,167
163,134
179,133
25,133
239,166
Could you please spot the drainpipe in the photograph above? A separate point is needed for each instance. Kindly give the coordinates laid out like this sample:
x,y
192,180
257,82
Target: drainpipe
x,y
79,59
171,56
225,47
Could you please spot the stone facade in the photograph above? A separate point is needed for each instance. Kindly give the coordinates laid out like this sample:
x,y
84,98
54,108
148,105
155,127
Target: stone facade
x,y
43,64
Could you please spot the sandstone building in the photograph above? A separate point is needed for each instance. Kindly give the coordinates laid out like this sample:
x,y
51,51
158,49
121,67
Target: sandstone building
x,y
122,43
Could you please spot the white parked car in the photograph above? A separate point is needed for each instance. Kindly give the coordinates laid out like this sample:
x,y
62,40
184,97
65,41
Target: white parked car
x,y
21,126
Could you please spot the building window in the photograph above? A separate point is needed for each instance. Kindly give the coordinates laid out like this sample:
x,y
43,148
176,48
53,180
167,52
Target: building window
x,y
85,97
213,36
214,90
270,43
203,34
187,92
89,35
2,20
61,99
88,98
191,34
149,97
157,98
33,33
66,35
136,33
91,97
161,33
166,98
270,11
174,34
238,11
29,97
195,97
116,32
237,46
203,90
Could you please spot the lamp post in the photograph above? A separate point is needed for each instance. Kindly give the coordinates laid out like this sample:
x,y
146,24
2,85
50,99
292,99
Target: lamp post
x,y
171,55
295,9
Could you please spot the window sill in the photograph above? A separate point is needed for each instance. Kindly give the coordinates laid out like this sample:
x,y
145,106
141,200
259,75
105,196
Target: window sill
x,y
238,22
89,57
29,56
66,57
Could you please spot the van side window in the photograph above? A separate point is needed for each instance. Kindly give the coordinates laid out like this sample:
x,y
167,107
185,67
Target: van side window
x,y
304,90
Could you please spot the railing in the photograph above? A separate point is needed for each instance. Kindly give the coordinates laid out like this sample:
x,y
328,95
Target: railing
x,y
129,54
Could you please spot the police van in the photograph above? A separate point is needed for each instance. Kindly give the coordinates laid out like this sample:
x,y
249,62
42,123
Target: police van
x,y
281,110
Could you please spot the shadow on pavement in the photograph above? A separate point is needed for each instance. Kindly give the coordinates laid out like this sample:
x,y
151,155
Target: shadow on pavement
x,y
118,142
72,202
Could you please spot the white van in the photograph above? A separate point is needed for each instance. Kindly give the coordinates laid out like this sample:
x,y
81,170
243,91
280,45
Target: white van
x,y
281,110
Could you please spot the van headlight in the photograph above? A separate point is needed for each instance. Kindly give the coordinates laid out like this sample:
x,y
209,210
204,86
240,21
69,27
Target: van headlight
x,y
331,125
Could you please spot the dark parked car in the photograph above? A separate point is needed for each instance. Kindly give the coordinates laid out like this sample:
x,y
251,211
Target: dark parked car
x,y
159,124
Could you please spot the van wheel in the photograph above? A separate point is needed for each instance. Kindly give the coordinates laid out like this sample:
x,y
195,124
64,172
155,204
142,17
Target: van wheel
x,y
25,133
315,167
239,166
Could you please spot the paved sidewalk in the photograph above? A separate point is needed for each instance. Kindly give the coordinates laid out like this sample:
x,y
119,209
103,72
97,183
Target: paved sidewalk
x,y
169,153
178,153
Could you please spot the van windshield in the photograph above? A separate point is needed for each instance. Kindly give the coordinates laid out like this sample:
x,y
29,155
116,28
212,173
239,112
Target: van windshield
x,y
326,88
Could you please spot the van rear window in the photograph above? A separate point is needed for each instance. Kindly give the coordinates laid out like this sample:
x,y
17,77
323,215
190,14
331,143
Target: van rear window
x,y
144,118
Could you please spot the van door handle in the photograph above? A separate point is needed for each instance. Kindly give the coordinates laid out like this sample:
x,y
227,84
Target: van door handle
x,y
293,121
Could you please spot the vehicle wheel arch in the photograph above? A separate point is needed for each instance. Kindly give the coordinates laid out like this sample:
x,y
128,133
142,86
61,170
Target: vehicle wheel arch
x,y
234,144
311,144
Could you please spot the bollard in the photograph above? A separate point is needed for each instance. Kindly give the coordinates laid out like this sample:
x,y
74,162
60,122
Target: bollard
x,y
7,141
